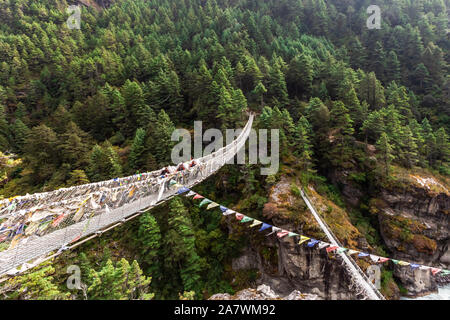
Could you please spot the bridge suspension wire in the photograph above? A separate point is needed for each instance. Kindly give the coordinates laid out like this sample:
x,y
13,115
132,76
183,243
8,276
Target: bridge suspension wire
x,y
360,279
35,226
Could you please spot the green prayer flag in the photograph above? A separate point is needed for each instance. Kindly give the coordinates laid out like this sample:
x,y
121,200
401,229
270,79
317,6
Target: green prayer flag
x,y
204,201
246,219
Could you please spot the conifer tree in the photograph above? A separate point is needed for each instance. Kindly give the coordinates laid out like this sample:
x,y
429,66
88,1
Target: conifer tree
x,y
149,236
385,151
20,132
119,282
161,137
442,146
136,158
103,163
302,144
180,246
5,134
430,142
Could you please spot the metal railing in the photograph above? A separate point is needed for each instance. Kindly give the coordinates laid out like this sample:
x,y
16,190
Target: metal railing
x,y
86,210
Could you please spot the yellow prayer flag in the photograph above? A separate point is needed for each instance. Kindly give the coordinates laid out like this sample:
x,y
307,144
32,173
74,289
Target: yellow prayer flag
x,y
303,239
255,223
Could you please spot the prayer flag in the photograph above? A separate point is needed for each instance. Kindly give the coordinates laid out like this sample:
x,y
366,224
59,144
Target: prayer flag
x,y
228,212
58,220
197,196
292,234
303,239
239,216
282,233
190,194
332,248
341,250
435,271
382,260
182,190
265,226
323,244
223,208
274,229
246,219
205,201
403,263
312,243
212,205
255,223
363,254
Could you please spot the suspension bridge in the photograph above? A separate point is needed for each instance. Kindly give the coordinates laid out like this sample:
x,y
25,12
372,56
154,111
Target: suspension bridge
x,y
37,227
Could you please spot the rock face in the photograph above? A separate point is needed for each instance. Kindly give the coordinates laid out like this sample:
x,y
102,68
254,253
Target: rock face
x,y
263,292
415,226
413,215
286,266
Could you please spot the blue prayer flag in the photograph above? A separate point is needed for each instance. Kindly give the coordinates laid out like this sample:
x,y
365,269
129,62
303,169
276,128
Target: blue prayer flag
x,y
265,226
312,243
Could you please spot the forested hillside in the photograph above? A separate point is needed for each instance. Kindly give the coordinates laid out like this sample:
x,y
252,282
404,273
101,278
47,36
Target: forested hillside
x,y
80,106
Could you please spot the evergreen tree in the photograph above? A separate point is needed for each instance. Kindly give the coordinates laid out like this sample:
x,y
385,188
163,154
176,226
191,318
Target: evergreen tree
x,y
442,147
136,158
408,153
74,146
300,75
385,151
40,152
162,134
119,282
103,163
393,68
149,237
5,134
430,142
77,178
302,145
20,132
180,246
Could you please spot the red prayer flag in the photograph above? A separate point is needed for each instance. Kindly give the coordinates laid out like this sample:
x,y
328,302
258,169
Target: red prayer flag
x,y
332,248
197,196
239,216
57,221
434,271
382,260
282,233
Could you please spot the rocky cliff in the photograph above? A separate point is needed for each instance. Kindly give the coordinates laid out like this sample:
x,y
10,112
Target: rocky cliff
x,y
285,266
412,209
414,222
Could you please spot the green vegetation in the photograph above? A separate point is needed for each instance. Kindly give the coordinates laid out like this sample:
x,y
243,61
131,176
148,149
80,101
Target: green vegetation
x,y
79,106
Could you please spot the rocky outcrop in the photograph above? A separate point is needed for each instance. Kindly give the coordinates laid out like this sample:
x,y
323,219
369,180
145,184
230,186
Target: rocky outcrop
x,y
415,224
286,266
263,292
